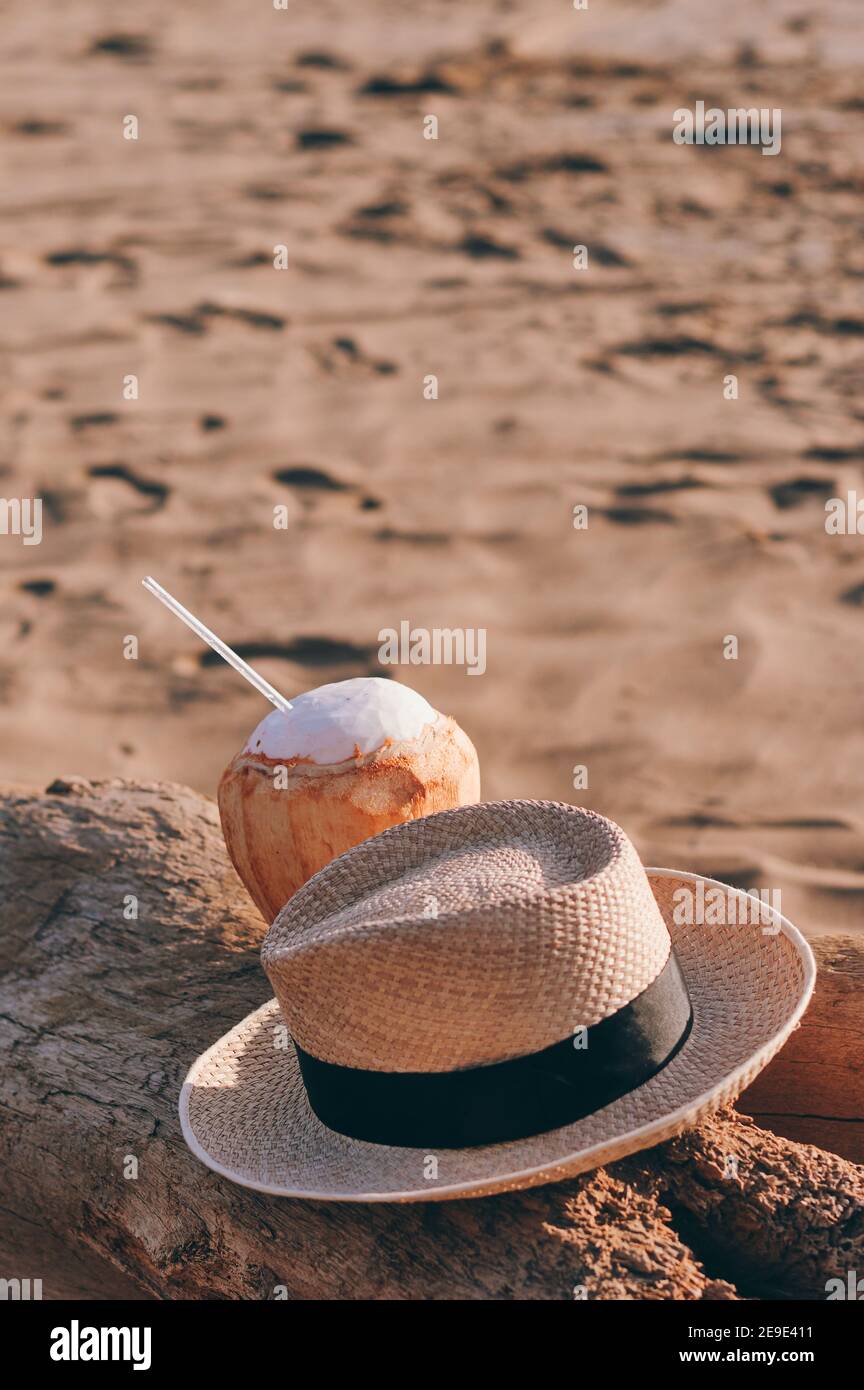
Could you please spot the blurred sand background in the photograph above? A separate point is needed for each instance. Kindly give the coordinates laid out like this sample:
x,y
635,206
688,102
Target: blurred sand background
x,y
304,387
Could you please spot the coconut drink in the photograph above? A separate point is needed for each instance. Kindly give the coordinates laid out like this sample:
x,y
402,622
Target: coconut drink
x,y
329,769
345,762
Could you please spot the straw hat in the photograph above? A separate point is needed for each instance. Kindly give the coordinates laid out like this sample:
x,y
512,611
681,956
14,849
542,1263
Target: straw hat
x,y
490,998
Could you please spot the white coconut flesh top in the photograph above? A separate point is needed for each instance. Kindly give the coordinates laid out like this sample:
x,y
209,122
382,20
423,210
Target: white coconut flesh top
x,y
341,720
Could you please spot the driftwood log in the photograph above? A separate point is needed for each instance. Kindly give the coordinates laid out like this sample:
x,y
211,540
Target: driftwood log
x,y
101,1012
813,1091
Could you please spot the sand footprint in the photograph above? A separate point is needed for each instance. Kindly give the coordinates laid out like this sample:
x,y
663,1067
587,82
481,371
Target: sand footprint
x,y
116,487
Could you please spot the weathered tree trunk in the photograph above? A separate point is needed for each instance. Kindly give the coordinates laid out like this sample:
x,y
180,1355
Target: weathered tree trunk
x,y
101,1013
813,1091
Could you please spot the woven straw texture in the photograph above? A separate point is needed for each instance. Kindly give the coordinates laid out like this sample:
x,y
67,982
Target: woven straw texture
x,y
468,937
244,1110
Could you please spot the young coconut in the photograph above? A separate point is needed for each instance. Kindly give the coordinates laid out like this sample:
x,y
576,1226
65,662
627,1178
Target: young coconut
x,y
321,774
345,762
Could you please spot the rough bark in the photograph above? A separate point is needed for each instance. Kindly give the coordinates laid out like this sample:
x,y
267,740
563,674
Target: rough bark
x,y
101,1014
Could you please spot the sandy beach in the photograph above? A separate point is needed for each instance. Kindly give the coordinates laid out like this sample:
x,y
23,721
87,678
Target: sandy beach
x,y
303,388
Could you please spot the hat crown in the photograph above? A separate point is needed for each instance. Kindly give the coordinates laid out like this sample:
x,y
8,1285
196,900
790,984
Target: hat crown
x,y
469,937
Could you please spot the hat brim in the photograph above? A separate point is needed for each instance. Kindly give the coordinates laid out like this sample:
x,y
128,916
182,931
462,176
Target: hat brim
x,y
244,1111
